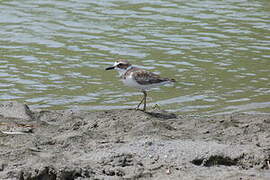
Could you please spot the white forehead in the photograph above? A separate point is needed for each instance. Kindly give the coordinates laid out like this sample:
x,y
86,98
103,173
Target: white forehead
x,y
116,63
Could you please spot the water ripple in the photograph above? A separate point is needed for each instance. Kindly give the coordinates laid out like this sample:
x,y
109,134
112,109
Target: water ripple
x,y
53,53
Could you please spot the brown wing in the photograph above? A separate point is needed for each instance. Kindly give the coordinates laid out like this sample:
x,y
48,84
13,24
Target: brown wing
x,y
145,77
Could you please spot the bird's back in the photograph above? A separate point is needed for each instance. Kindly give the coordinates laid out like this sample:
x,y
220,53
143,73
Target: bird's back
x,y
142,78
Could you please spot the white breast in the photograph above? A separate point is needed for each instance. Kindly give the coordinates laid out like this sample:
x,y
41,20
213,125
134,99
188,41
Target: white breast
x,y
129,81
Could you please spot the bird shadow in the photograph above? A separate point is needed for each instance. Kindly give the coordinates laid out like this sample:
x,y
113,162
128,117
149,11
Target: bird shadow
x,y
162,115
157,113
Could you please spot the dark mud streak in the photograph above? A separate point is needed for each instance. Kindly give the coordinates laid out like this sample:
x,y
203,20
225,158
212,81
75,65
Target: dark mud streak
x,y
47,173
215,161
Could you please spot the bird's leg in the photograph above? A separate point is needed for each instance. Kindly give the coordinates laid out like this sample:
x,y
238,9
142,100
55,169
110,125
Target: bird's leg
x,y
145,95
140,103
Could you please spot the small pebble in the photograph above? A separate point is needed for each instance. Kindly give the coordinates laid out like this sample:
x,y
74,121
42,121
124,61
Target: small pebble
x,y
168,171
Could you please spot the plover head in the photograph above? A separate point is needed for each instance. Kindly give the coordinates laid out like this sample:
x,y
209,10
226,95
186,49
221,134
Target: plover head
x,y
121,66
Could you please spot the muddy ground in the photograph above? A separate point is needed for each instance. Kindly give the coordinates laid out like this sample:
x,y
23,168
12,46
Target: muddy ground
x,y
130,144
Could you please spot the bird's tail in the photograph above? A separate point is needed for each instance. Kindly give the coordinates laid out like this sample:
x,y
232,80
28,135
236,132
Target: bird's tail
x,y
171,80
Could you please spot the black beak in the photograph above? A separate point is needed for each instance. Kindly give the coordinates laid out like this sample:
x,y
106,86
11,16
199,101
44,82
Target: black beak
x,y
110,68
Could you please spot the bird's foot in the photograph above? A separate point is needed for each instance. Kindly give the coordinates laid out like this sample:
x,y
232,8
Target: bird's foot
x,y
156,107
138,109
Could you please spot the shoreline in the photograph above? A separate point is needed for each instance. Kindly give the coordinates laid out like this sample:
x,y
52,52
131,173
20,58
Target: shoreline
x,y
130,144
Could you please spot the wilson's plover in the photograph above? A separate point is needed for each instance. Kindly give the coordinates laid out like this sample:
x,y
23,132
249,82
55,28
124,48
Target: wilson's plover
x,y
138,78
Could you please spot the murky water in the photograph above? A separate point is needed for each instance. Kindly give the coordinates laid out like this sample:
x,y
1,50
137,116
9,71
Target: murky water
x,y
53,53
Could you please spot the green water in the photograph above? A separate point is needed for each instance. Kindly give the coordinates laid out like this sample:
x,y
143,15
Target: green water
x,y
53,53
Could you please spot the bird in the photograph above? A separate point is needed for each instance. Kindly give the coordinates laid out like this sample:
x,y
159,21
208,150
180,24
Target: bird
x,y
138,78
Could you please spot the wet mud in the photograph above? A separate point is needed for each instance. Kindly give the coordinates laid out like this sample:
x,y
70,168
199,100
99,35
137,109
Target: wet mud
x,y
130,144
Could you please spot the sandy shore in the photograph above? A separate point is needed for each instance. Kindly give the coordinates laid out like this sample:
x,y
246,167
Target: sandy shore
x,y
129,144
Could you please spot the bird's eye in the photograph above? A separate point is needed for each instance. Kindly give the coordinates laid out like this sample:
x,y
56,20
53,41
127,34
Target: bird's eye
x,y
119,65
